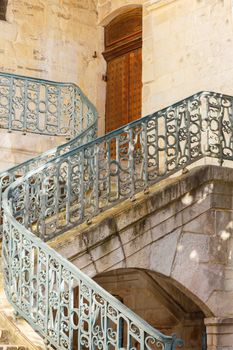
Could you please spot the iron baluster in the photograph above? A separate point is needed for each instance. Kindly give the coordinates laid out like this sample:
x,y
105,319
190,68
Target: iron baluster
x,y
74,182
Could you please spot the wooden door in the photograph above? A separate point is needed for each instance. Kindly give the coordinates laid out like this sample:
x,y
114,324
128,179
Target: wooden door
x,y
135,84
117,93
123,43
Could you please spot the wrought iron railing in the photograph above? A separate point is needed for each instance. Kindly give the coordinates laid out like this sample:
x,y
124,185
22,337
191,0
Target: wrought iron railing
x,y
41,285
32,105
43,107
56,191
77,184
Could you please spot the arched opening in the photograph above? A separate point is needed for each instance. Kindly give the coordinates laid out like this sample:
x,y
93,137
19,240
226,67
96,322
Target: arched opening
x,y
3,7
159,302
123,53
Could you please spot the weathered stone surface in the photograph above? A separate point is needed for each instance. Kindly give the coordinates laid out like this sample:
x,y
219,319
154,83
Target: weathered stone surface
x,y
203,224
55,40
219,333
221,301
17,148
108,261
182,238
184,46
193,269
163,252
137,243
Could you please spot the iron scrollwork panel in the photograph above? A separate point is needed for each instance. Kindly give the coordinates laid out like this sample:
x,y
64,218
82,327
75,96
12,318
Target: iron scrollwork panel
x,y
74,183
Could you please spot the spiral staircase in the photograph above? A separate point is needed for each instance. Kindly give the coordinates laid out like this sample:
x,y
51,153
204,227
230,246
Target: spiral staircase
x,y
71,184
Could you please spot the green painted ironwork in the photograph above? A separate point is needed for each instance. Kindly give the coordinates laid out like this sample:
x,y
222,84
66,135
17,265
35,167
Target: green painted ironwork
x,y
84,178
30,105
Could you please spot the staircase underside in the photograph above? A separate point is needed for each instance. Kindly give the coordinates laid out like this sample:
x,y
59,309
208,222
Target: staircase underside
x,y
146,234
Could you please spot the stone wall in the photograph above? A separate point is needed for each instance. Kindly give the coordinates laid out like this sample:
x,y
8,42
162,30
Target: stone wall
x,y
54,40
16,147
187,47
182,231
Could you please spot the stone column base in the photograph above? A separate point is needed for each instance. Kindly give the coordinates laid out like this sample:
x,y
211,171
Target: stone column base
x,y
219,333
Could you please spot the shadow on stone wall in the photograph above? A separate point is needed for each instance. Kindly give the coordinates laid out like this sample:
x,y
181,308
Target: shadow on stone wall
x,y
156,299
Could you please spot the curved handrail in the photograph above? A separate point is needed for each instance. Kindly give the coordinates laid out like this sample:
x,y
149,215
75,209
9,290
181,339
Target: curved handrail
x,y
86,180
76,121
42,106
102,303
77,185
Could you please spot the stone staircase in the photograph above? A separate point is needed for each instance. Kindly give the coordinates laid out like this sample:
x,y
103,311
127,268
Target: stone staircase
x,y
72,184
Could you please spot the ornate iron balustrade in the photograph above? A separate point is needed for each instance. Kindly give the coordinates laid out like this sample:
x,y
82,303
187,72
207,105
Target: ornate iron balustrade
x,y
38,106
77,185
56,191
43,107
40,285
82,182
39,282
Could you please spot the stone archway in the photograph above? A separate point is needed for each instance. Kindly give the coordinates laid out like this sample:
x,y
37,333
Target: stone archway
x,y
182,230
112,9
158,301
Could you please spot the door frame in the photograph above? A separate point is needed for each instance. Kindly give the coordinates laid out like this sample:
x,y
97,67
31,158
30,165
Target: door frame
x,y
118,46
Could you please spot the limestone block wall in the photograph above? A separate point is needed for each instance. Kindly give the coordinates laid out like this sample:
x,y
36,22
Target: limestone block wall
x,y
16,148
187,47
54,40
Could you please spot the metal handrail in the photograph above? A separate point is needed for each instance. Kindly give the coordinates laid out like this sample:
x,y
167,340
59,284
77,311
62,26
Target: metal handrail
x,y
80,117
76,186
101,173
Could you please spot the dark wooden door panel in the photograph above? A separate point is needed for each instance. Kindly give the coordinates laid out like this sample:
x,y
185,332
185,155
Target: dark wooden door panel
x,y
135,85
125,27
124,89
123,53
117,93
